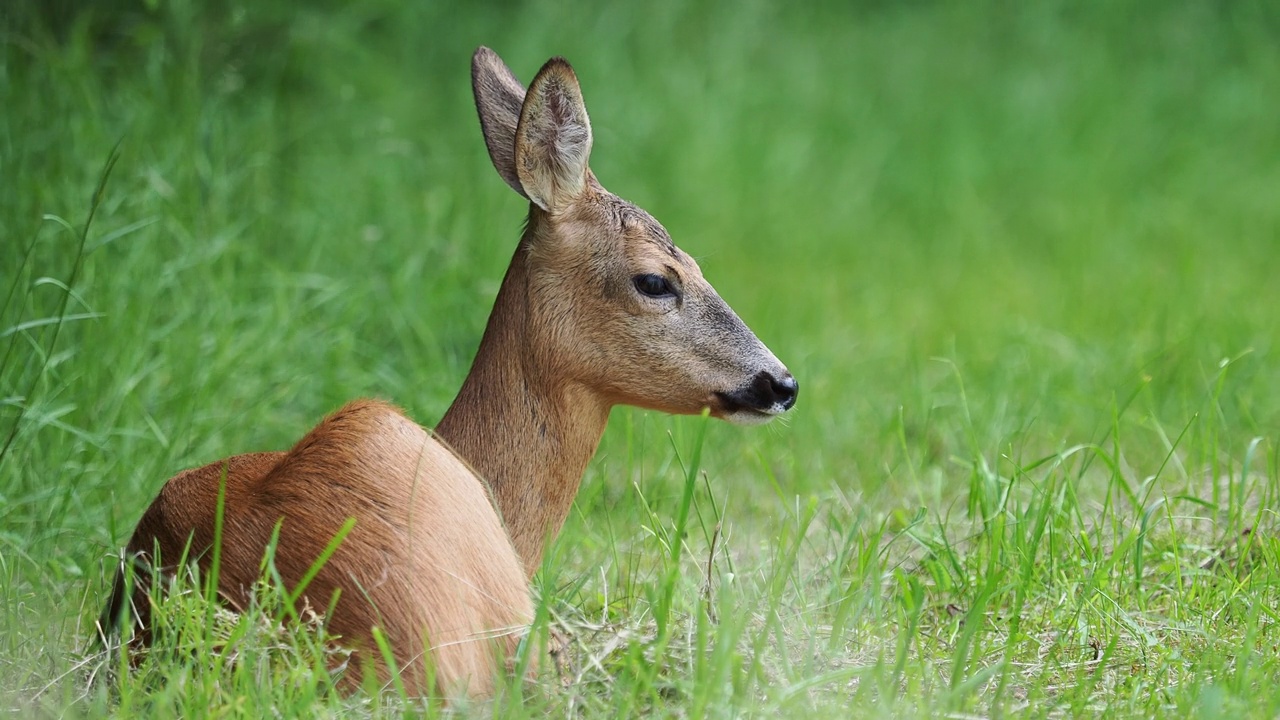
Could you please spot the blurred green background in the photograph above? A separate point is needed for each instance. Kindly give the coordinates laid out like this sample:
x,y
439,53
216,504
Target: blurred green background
x,y
972,230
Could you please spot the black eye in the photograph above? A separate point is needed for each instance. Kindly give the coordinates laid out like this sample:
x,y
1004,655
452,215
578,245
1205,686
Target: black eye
x,y
655,286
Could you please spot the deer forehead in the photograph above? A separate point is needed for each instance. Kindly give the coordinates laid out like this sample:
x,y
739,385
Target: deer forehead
x,y
625,235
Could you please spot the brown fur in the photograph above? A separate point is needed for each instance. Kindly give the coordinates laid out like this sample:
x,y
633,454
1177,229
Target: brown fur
x,y
439,559
427,560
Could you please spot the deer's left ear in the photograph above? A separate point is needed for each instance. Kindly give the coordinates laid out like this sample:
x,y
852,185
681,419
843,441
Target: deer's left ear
x,y
553,139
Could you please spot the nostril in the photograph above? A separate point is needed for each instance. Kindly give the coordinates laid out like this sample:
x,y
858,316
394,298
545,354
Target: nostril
x,y
768,392
785,390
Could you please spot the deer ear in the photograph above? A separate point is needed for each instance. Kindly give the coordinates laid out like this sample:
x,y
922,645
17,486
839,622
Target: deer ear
x,y
553,139
499,97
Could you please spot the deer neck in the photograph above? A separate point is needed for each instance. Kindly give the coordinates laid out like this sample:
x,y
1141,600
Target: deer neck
x,y
528,434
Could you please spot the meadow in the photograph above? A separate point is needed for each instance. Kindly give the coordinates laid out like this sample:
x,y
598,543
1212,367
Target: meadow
x,y
1022,258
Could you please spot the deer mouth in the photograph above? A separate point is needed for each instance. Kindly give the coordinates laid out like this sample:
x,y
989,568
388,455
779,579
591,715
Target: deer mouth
x,y
726,409
759,401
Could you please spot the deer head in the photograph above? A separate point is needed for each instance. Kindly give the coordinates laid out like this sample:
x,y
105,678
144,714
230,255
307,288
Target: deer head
x,y
617,308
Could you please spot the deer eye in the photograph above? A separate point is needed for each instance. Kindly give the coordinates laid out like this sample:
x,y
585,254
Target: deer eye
x,y
655,286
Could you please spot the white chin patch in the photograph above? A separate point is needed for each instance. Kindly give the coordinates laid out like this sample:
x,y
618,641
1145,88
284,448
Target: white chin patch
x,y
749,417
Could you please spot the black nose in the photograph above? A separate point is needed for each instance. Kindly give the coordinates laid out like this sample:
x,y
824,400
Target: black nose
x,y
781,391
786,390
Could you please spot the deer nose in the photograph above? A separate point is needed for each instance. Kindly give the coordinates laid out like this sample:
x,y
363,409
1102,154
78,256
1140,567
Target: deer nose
x,y
785,390
772,390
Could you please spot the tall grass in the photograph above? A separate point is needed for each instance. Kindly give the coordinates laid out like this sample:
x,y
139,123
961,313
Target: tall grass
x,y
1020,257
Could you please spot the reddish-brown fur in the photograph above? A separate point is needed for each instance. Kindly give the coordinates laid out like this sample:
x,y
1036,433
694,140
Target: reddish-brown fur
x,y
447,533
427,550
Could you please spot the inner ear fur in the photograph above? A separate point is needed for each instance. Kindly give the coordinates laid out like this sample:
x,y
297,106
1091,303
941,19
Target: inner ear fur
x,y
553,138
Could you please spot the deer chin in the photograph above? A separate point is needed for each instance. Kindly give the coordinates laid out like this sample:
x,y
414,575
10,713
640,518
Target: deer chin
x,y
749,417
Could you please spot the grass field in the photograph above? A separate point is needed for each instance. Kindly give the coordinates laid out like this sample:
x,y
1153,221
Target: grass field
x,y
1022,257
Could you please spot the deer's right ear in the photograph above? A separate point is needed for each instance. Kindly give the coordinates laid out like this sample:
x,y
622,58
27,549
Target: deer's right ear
x,y
499,98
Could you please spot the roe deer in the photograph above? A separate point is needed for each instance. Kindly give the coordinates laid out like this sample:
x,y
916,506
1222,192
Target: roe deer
x,y
598,308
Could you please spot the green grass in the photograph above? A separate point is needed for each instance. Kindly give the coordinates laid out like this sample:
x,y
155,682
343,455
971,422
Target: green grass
x,y
1021,257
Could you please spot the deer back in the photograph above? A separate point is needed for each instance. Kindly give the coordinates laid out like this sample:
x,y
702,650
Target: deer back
x,y
428,560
